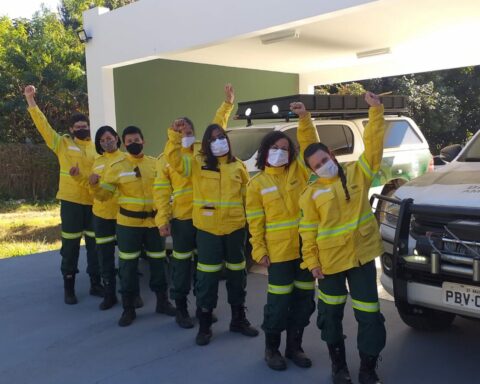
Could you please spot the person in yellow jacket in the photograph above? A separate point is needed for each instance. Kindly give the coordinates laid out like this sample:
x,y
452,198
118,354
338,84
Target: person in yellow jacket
x,y
75,149
273,216
107,144
340,240
132,177
219,185
175,217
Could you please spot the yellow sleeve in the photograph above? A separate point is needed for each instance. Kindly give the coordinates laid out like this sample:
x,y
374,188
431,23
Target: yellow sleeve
x,y
182,163
373,137
308,231
82,180
256,222
52,138
223,114
306,133
162,193
106,187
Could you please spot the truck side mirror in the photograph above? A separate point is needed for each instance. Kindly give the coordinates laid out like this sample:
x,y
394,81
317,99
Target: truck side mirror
x,y
449,153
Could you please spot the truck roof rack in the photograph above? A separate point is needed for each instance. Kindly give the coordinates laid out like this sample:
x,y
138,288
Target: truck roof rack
x,y
340,106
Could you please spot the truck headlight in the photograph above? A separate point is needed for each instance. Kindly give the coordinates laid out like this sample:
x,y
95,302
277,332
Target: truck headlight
x,y
390,214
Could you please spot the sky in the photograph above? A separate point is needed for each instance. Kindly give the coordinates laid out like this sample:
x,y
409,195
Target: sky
x,y
24,8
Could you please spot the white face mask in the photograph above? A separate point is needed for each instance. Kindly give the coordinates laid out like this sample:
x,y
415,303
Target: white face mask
x,y
188,141
327,170
277,157
219,147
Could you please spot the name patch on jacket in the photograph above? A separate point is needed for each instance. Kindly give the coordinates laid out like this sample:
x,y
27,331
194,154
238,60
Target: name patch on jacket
x,y
268,190
319,192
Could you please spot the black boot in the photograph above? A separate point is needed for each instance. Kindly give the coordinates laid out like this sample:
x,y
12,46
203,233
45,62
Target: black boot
x,y
182,317
367,373
240,323
340,372
138,301
69,289
163,305
110,296
129,313
273,357
197,315
294,350
96,287
205,328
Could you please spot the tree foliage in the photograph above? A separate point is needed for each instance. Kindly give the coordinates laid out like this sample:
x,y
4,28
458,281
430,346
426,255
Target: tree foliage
x,y
445,104
44,51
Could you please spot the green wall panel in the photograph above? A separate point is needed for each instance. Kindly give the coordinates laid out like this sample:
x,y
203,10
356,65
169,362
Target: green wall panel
x,y
152,94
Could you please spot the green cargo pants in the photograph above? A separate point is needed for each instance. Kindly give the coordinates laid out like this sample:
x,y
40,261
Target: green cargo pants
x,y
105,239
77,220
131,241
184,245
213,251
290,299
332,294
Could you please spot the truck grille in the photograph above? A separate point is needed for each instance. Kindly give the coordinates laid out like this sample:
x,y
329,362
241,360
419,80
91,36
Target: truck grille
x,y
447,247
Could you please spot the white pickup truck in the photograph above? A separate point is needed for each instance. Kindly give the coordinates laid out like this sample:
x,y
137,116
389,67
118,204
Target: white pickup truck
x,y
431,233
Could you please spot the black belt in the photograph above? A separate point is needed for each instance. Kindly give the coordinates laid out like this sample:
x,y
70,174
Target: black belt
x,y
137,215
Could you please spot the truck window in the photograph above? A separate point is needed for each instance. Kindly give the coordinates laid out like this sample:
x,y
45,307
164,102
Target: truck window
x,y
337,137
398,133
245,142
472,153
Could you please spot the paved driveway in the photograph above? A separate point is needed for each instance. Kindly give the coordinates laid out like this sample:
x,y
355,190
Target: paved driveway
x,y
44,341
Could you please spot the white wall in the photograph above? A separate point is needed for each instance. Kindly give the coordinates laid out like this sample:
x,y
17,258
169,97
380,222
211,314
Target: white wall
x,y
151,28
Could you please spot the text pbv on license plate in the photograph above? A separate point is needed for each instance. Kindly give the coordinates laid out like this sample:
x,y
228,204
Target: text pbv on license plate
x,y
459,295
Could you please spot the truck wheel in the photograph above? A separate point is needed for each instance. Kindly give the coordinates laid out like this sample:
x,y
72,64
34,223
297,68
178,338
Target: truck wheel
x,y
426,319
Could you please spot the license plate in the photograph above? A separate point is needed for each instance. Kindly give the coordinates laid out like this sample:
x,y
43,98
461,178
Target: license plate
x,y
459,295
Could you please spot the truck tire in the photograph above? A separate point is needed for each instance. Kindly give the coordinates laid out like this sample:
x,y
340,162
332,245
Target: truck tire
x,y
425,319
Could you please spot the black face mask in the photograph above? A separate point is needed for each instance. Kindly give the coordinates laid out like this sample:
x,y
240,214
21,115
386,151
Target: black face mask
x,y
134,148
81,134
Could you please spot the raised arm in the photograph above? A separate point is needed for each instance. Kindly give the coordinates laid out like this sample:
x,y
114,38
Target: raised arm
x,y
52,138
256,223
306,133
162,193
182,163
373,137
223,113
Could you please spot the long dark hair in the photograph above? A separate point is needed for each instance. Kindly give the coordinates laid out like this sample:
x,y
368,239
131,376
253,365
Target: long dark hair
x,y
267,142
313,148
99,134
211,161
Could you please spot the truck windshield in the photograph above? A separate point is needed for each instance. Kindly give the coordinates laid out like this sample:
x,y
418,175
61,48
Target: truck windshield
x,y
245,142
472,153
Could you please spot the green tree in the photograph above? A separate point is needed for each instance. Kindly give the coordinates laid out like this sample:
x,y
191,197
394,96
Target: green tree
x,y
70,11
44,51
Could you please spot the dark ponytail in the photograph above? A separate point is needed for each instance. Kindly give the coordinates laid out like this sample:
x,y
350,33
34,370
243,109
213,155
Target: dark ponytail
x,y
315,147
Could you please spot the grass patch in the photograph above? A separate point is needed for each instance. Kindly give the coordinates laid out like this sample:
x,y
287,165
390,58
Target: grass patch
x,y
17,206
27,228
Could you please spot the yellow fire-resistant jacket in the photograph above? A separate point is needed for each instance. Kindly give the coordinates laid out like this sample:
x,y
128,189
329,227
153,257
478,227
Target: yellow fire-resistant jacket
x,y
70,152
338,234
171,184
218,196
273,212
104,209
134,188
